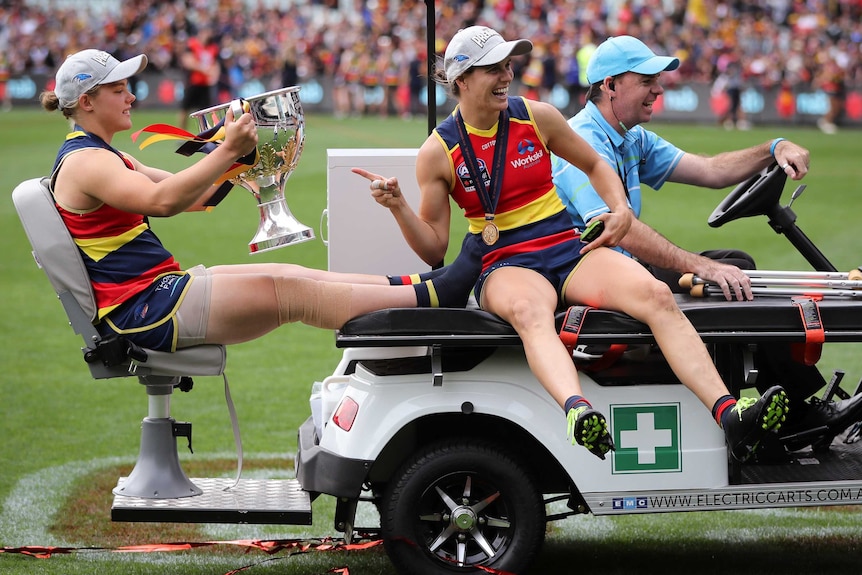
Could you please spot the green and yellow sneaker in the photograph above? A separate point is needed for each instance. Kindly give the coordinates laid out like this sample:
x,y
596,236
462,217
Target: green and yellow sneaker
x,y
589,428
751,419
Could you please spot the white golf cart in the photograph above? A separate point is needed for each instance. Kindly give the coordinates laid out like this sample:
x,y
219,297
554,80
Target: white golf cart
x,y
433,417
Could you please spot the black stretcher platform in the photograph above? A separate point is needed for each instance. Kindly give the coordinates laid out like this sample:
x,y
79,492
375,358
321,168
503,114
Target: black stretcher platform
x,y
766,318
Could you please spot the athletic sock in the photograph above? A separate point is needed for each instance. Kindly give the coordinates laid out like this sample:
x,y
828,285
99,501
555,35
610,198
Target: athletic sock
x,y
448,286
575,401
722,408
426,293
411,279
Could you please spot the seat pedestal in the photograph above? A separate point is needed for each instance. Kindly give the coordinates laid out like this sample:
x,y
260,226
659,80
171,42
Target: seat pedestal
x,y
157,473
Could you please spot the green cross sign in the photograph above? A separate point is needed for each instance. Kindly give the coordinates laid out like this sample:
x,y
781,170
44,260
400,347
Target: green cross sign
x,y
646,436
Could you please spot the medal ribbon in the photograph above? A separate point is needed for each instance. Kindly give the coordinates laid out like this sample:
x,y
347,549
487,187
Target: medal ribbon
x,y
487,199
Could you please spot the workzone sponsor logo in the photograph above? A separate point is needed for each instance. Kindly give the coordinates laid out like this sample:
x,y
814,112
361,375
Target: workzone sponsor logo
x,y
647,438
527,159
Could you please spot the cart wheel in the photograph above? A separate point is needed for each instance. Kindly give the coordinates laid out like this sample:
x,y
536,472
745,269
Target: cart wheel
x,y
458,504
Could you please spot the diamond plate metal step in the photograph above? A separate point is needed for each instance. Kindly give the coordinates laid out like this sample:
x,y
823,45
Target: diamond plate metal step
x,y
252,501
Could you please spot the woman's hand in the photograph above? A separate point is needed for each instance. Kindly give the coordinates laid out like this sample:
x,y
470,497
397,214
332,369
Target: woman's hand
x,y
240,133
617,225
385,191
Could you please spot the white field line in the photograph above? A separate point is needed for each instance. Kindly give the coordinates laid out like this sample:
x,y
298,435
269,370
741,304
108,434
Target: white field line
x,y
31,506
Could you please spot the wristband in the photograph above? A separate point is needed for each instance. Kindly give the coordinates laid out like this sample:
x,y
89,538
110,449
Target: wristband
x,y
774,143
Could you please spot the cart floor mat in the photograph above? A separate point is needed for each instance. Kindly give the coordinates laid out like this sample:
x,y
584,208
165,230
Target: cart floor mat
x,y
841,462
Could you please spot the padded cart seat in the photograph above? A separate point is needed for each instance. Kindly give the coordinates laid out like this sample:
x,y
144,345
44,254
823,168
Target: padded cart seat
x,y
766,318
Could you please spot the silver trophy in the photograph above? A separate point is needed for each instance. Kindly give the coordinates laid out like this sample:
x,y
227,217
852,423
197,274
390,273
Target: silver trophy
x,y
281,134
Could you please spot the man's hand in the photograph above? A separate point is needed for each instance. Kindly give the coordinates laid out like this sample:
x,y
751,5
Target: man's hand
x,y
732,280
792,158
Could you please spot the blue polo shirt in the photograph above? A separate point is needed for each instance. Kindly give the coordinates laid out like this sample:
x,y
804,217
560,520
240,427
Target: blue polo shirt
x,y
639,156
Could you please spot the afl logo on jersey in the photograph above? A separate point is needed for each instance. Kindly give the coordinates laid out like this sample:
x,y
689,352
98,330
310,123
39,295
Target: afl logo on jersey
x,y
467,181
526,147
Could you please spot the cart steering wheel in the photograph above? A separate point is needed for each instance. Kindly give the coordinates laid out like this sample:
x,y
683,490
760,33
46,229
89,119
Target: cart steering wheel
x,y
756,196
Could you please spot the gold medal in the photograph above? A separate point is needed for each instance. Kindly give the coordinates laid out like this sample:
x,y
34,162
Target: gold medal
x,y
490,233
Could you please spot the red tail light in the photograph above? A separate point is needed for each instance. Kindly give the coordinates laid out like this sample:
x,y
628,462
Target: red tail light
x,y
345,413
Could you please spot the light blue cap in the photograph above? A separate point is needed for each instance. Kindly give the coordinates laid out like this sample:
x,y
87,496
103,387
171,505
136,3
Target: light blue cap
x,y
620,54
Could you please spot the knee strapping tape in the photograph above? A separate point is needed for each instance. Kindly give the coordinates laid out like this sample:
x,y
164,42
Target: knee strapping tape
x,y
321,304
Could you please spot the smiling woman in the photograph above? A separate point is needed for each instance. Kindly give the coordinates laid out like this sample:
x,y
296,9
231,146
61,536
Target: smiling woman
x,y
105,198
493,156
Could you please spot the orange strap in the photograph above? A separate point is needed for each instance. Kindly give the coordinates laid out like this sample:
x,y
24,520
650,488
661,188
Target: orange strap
x,y
809,352
267,546
294,546
610,357
572,323
571,329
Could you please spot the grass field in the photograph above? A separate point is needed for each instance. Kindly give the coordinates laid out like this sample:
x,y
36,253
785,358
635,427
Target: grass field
x,y
67,437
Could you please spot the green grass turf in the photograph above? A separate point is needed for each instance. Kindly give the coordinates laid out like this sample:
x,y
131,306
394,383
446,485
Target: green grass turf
x,y
61,428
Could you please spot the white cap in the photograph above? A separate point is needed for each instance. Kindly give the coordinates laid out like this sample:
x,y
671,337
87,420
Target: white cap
x,y
479,46
84,70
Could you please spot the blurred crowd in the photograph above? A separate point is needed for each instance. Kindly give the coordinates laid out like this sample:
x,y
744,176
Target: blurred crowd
x,y
381,43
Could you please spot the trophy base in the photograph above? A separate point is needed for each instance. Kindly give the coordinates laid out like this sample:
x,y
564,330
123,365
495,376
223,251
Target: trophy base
x,y
256,246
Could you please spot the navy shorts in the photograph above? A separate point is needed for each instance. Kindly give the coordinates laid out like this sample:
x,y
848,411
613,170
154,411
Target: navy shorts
x,y
549,247
171,313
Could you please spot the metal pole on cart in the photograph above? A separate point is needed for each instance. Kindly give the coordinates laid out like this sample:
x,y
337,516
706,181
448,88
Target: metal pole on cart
x,y
430,45
767,282
431,88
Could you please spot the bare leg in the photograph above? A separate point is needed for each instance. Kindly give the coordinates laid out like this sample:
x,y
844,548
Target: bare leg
x,y
297,271
246,306
527,301
610,280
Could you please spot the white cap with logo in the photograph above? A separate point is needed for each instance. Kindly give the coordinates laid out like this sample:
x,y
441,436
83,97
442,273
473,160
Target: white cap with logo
x,y
84,70
479,46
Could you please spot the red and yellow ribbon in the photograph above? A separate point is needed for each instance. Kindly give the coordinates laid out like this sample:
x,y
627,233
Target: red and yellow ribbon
x,y
204,142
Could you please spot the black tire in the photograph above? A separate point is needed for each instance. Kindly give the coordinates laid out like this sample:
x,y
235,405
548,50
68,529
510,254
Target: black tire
x,y
462,497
